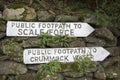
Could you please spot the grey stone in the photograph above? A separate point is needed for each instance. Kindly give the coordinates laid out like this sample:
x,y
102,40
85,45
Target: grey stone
x,y
1,52
11,48
89,74
54,77
11,78
104,33
111,43
34,67
13,14
2,26
16,58
81,78
114,51
100,73
54,45
77,43
44,4
27,76
67,78
31,42
65,18
0,15
44,16
2,35
10,67
118,41
21,39
66,67
92,41
111,61
90,18
24,13
85,78
20,1
92,68
73,74
30,14
113,72
2,58
2,77
115,31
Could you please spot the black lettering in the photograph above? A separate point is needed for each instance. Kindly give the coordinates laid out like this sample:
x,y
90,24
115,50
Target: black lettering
x,y
19,31
66,32
39,25
25,32
64,51
36,32
13,24
79,26
49,31
34,52
33,25
31,32
76,57
36,59
46,58
59,51
71,32
17,25
66,58
48,25
22,25
61,58
68,26
56,32
94,50
41,31
61,32
32,59
75,26
43,25
29,51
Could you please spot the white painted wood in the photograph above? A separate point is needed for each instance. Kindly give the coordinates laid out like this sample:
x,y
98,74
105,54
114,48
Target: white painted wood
x,y
36,55
73,29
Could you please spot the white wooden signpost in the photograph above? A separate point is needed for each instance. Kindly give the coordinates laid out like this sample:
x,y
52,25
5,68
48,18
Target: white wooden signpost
x,y
35,55
73,29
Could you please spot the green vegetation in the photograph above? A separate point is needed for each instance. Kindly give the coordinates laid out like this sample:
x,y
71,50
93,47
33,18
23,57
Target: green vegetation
x,y
45,40
81,64
106,11
48,69
110,11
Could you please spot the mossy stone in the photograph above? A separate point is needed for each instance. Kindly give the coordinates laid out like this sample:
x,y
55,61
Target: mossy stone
x,y
11,48
15,6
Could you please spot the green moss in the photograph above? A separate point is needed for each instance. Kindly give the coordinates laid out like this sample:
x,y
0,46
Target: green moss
x,y
15,6
11,48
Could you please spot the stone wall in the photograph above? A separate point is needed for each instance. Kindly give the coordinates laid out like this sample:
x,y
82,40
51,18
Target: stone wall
x,y
11,48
